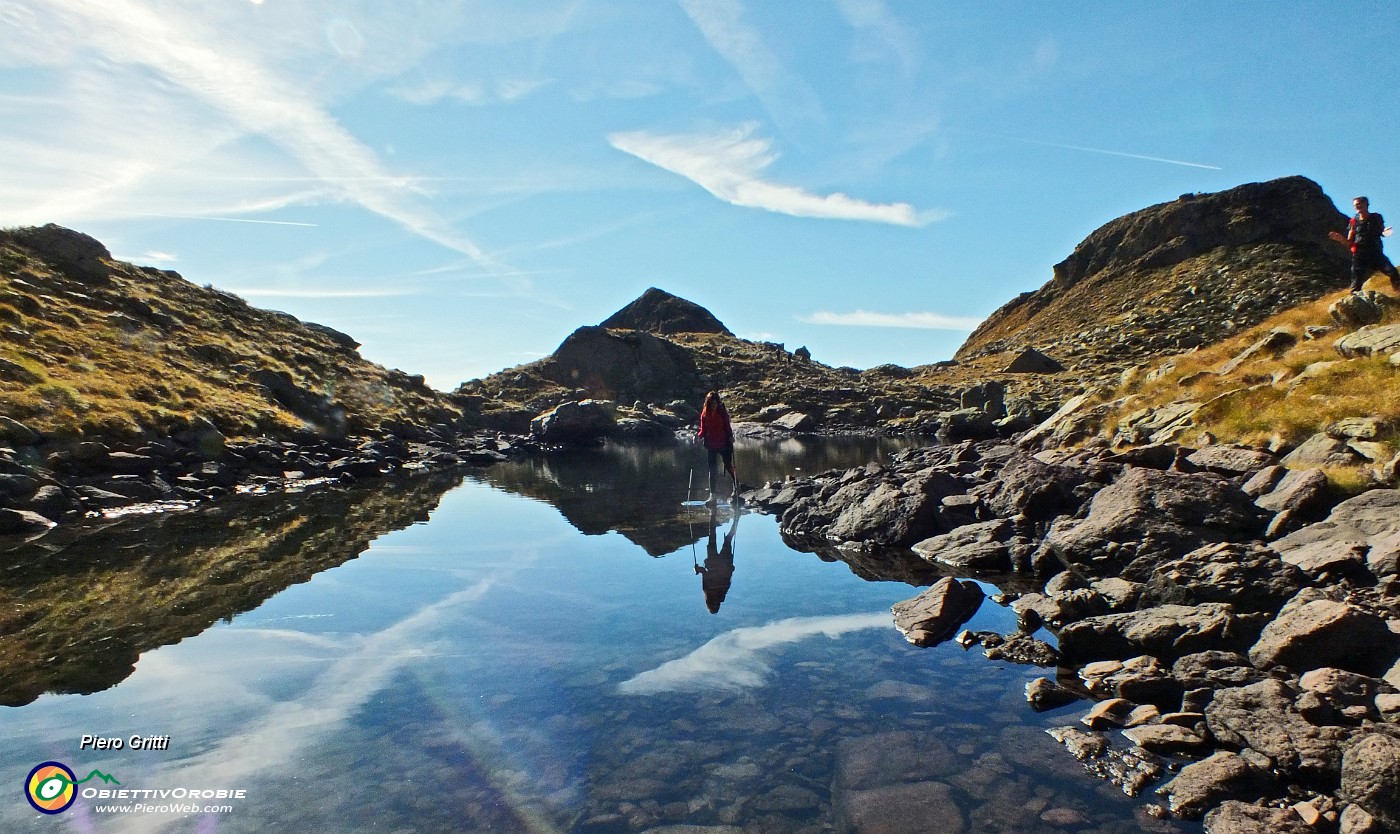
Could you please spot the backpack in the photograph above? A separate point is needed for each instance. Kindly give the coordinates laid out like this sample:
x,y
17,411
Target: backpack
x,y
1366,234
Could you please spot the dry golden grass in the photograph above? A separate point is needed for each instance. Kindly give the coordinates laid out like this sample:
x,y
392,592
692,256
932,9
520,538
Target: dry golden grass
x,y
1276,399
148,354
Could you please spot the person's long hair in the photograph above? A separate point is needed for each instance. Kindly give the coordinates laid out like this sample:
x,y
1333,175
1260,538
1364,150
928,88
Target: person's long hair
x,y
712,403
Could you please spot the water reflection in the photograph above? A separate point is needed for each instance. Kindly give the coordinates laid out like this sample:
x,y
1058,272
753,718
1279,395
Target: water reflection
x,y
80,605
494,670
640,490
718,571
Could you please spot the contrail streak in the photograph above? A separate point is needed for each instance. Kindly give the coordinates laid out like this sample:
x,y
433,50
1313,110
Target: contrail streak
x,y
1118,153
221,219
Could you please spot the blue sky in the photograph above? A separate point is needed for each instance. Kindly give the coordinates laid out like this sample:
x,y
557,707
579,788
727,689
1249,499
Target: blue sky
x,y
461,184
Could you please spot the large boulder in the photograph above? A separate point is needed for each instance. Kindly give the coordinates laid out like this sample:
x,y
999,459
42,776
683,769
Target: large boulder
x,y
1203,785
1250,577
1235,817
1166,632
1150,515
934,615
1312,632
1371,778
1027,486
871,506
1263,716
622,366
575,422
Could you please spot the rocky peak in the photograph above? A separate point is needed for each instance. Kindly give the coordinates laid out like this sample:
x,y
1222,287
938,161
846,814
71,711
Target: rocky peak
x,y
657,311
1176,275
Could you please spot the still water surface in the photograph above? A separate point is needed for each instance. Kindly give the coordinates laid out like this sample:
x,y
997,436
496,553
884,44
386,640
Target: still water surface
x,y
536,652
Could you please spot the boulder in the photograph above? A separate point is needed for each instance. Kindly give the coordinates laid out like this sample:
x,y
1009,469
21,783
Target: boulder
x,y
1075,420
22,522
1221,777
1371,778
575,422
1250,577
796,422
1373,340
1032,361
936,614
1262,716
871,506
989,397
1026,486
983,546
1151,515
1359,308
1321,450
1303,492
1233,817
1274,342
1312,632
1167,632
1231,461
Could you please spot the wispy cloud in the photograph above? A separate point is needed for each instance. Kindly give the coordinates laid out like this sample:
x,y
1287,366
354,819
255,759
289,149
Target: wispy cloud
x,y
721,22
873,17
728,166
865,318
738,659
210,69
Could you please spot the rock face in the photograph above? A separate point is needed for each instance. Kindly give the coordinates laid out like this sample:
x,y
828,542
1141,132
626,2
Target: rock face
x,y
1121,295
657,311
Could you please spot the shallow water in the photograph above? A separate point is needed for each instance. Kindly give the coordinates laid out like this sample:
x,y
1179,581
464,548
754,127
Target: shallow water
x,y
537,654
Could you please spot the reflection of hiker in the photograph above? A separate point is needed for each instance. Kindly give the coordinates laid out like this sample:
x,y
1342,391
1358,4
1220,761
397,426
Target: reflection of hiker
x,y
718,437
718,570
1364,233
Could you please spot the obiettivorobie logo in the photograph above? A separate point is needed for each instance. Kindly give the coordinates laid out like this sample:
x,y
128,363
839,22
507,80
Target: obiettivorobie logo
x,y
52,786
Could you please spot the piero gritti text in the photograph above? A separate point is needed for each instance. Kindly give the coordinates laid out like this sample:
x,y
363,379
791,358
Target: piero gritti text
x,y
88,742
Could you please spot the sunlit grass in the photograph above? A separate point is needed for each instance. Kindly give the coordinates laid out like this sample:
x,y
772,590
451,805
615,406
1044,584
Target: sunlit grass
x,y
1277,400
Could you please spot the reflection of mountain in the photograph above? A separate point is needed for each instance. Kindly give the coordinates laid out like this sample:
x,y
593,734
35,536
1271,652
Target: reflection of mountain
x,y
80,605
638,490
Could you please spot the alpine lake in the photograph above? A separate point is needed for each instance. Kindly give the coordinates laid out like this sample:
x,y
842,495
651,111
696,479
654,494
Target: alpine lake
x,y
568,643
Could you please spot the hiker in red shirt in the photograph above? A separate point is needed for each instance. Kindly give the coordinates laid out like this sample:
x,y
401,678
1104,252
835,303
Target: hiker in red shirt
x,y
718,437
1364,234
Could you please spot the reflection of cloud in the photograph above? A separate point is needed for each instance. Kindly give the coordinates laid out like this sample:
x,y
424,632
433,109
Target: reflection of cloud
x,y
728,166
279,734
865,318
735,659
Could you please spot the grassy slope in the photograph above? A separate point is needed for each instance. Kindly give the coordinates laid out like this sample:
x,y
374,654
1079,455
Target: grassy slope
x,y
1263,402
147,352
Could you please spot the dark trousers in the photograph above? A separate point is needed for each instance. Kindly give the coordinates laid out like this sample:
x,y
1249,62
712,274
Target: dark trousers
x,y
727,453
1364,262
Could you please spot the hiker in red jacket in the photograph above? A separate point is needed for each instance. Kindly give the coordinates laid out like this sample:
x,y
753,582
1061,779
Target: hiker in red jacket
x,y
718,437
1364,234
